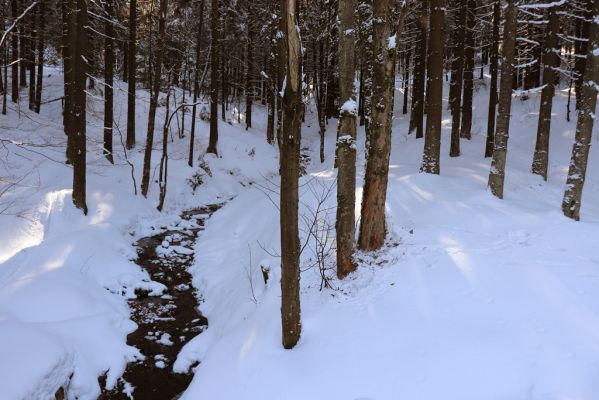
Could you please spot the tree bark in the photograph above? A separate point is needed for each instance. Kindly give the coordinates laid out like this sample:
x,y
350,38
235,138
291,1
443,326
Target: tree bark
x,y
77,23
466,123
493,88
108,79
214,54
132,69
497,173
40,56
15,55
432,139
550,62
31,58
145,180
346,142
372,226
455,87
290,151
584,125
417,113
196,83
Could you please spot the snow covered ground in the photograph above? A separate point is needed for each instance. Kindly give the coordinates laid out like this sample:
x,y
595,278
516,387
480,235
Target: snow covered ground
x,y
473,298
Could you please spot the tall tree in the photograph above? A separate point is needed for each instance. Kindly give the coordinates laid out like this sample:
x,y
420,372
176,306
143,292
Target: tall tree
x,y
77,36
145,179
584,125
372,225
417,113
196,82
108,78
466,123
432,138
15,55
550,62
132,69
290,152
40,55
214,57
497,173
493,67
31,59
455,88
346,142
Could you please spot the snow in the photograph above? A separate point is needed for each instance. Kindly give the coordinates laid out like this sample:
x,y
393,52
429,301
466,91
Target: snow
x,y
472,297
65,278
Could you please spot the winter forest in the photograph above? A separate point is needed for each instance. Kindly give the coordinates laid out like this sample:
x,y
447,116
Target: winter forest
x,y
299,199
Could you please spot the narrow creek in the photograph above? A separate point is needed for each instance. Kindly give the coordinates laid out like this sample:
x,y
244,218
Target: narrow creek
x,y
167,322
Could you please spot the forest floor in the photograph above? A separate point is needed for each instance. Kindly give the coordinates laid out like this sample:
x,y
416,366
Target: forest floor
x,y
472,298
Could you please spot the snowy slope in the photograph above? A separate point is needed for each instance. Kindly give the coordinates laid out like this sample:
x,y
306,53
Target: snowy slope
x,y
474,298
65,278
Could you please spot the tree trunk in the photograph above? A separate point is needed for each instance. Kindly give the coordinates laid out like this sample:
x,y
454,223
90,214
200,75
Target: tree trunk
x,y
40,57
214,50
406,82
249,73
584,126
15,55
108,79
432,139
455,88
196,83
497,173
290,152
132,69
372,226
145,180
417,113
31,58
493,88
77,23
163,173
550,61
466,123
346,142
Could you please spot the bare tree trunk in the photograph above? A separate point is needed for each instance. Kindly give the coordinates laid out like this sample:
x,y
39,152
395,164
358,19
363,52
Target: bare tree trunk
x,y
584,126
31,58
417,113
346,142
432,139
455,88
132,69
493,89
15,55
249,84
163,174
214,54
77,23
466,123
5,94
406,82
108,79
497,173
196,83
290,151
372,226
40,57
550,61
145,180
